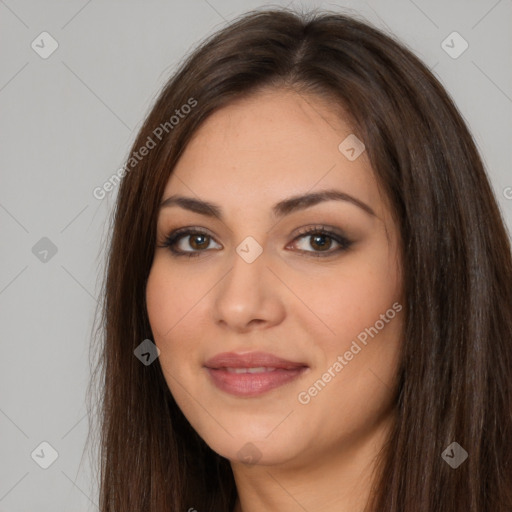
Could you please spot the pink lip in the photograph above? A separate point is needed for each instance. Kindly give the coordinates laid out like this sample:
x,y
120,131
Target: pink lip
x,y
280,371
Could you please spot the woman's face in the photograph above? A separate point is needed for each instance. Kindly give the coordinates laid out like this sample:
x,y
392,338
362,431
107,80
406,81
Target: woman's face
x,y
279,323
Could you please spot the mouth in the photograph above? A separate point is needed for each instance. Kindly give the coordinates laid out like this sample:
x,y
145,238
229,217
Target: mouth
x,y
251,374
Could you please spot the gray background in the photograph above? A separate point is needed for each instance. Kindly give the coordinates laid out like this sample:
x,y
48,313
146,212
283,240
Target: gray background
x,y
67,123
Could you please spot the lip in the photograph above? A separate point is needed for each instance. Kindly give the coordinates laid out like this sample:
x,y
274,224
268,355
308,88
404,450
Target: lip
x,y
268,372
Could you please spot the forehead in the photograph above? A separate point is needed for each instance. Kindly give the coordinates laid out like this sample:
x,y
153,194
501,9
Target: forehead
x,y
272,144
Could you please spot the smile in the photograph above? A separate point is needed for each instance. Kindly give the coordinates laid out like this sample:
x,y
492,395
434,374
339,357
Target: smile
x,y
251,374
249,382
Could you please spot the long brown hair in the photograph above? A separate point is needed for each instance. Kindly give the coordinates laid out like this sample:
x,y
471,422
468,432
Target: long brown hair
x,y
455,374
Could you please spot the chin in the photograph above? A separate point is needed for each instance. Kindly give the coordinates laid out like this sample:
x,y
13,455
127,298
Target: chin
x,y
250,449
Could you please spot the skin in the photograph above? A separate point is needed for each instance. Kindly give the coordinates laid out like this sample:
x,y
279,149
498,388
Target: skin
x,y
245,158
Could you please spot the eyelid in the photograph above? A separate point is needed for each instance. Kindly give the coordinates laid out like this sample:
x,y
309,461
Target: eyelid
x,y
320,228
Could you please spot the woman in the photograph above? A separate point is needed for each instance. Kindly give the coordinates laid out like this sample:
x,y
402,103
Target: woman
x,y
307,301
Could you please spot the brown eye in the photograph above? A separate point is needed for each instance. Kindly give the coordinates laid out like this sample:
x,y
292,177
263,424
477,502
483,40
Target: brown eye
x,y
188,242
199,241
319,242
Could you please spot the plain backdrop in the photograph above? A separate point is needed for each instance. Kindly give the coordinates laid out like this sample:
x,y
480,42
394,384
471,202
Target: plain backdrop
x,y
67,123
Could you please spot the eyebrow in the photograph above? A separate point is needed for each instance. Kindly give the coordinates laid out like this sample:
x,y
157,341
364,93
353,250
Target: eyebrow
x,y
280,209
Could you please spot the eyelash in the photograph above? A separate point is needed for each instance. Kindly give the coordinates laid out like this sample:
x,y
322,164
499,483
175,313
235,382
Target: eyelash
x,y
173,238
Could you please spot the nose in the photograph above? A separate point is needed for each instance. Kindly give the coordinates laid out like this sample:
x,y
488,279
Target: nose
x,y
249,296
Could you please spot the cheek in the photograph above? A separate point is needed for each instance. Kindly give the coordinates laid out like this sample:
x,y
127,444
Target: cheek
x,y
171,296
344,303
353,306
170,299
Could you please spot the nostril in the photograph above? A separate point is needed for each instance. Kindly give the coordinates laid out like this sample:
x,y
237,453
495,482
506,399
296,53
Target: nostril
x,y
257,321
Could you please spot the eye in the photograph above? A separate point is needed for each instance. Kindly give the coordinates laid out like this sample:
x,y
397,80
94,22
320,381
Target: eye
x,y
192,242
321,240
194,238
